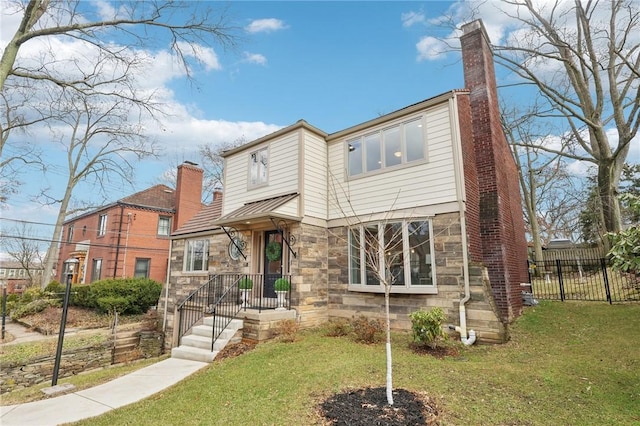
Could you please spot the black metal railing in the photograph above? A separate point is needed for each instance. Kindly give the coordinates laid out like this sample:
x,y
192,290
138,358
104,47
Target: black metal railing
x,y
222,297
582,279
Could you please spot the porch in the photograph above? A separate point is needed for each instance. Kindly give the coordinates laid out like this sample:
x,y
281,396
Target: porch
x,y
259,301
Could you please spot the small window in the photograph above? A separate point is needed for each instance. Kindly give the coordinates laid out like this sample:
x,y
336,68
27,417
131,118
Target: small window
x,y
96,271
354,153
259,167
3,272
164,225
197,256
12,273
102,225
70,233
142,268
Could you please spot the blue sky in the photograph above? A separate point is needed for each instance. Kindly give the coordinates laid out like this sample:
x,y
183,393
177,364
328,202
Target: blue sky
x,y
332,63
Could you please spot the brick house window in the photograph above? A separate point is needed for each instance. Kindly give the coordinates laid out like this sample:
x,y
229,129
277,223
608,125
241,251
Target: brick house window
x,y
389,147
402,250
196,256
142,268
96,270
102,225
164,225
69,233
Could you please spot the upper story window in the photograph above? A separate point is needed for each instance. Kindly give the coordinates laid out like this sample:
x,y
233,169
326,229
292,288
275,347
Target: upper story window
x,y
164,225
258,167
196,257
3,272
102,225
389,147
70,233
400,251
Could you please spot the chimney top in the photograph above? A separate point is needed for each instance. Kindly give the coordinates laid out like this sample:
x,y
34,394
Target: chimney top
x,y
191,163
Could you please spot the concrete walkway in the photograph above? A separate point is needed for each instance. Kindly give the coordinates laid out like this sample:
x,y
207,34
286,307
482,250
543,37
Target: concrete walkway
x,y
92,402
100,399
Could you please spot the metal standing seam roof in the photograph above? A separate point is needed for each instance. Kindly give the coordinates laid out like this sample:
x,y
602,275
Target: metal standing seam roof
x,y
202,221
255,209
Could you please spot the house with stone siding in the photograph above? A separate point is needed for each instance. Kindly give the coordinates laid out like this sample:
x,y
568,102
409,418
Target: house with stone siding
x,y
436,176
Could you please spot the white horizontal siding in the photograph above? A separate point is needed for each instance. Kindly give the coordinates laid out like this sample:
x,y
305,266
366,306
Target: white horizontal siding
x,y
423,184
282,173
314,192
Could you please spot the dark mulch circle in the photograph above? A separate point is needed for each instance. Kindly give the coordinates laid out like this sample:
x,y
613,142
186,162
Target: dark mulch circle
x,y
368,407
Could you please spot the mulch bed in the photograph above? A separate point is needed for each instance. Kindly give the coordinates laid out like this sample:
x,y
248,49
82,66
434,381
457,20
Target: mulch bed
x,y
234,350
368,407
439,351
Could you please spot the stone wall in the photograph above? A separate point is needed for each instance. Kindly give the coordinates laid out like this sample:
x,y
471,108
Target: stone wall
x,y
481,312
30,372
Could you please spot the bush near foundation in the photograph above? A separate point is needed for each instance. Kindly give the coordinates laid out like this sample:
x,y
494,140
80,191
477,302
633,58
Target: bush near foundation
x,y
130,295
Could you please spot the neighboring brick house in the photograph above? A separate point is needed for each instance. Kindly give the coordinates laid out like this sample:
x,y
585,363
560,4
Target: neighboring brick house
x,y
16,278
130,237
437,176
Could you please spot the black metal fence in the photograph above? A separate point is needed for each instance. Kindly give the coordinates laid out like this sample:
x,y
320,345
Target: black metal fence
x,y
573,277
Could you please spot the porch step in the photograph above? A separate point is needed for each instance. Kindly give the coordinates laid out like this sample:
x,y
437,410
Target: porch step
x,y
197,345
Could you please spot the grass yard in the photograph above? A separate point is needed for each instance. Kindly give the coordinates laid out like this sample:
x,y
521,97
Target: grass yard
x,y
571,363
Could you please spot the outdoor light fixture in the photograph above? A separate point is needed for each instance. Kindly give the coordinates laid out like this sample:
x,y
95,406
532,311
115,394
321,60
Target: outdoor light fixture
x,y
69,267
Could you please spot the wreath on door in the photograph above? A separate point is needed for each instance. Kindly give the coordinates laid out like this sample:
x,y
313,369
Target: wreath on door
x,y
273,251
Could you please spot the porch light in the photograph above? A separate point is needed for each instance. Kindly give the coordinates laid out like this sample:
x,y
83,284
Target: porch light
x,y
397,154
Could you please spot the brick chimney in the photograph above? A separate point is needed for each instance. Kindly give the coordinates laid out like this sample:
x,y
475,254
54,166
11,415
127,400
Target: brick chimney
x,y
188,193
502,229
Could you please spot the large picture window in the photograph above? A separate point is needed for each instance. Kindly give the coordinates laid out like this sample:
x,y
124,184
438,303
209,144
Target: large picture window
x,y
389,147
400,251
259,167
197,256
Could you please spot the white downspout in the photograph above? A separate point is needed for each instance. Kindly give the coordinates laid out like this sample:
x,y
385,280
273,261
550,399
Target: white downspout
x,y
460,189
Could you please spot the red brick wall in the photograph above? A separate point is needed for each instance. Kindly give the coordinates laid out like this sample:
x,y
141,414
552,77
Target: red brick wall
x,y
188,194
472,206
119,247
500,208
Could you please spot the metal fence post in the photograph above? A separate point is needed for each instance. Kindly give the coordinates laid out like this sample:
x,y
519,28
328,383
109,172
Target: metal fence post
x,y
607,289
560,281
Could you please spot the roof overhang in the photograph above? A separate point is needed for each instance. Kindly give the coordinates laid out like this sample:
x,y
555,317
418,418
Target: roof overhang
x,y
256,212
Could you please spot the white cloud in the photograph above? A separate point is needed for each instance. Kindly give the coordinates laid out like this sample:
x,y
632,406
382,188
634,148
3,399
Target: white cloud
x,y
255,58
265,25
412,18
431,48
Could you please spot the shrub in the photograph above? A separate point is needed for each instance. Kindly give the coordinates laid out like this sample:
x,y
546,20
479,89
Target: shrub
x,y
113,304
337,327
82,296
367,330
140,294
245,284
55,289
281,284
427,326
33,307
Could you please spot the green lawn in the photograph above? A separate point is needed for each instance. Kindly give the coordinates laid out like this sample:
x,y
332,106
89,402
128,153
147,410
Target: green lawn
x,y
568,363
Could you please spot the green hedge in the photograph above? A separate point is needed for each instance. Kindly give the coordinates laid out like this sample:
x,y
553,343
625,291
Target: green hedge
x,y
127,296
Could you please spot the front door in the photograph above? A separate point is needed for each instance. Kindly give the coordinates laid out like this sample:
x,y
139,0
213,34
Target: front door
x,y
272,261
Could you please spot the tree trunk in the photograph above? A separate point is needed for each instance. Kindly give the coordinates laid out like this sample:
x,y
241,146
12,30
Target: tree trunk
x,y
387,290
608,177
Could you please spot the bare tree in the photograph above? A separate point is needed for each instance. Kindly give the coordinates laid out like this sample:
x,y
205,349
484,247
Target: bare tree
x,y
548,191
21,245
584,58
382,241
214,164
185,26
102,140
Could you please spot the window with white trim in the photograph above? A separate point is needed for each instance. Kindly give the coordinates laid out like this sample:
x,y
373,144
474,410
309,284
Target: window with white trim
x,y
164,225
389,147
196,257
70,233
259,167
102,225
401,251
